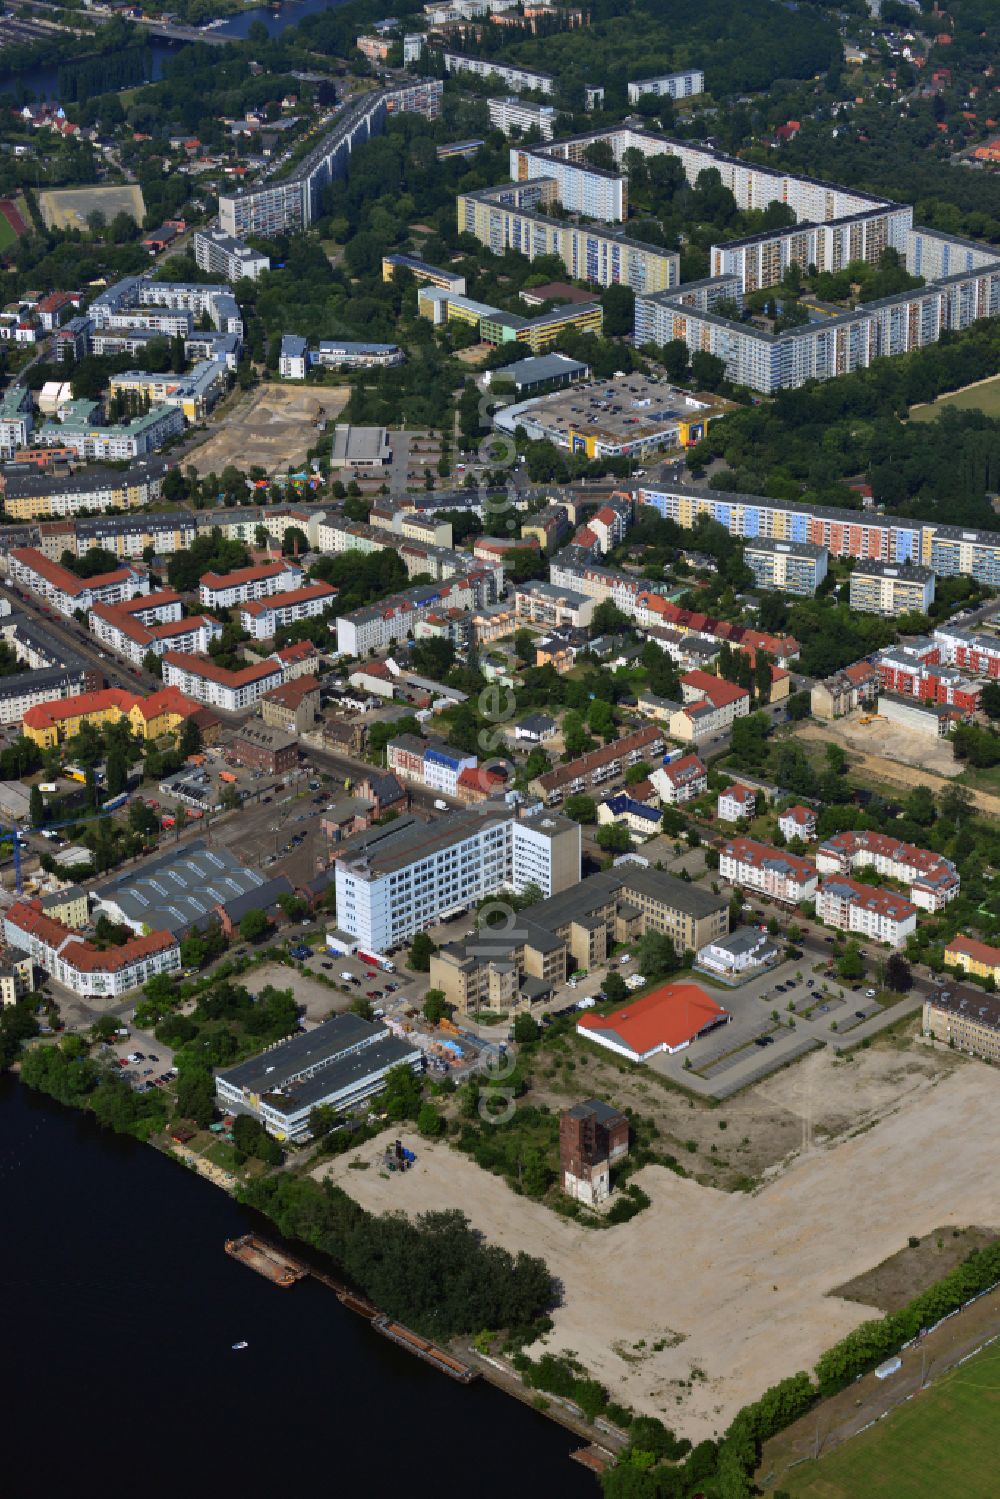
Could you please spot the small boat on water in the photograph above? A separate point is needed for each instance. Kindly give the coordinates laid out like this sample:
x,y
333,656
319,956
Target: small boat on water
x,y
242,1344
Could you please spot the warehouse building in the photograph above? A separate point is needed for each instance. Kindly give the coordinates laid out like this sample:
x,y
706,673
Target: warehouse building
x,y
185,890
336,1065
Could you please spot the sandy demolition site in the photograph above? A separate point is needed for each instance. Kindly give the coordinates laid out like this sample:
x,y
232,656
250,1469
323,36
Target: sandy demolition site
x,y
734,1289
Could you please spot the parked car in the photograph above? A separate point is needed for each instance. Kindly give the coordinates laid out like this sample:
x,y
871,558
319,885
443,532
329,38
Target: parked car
x,y
869,994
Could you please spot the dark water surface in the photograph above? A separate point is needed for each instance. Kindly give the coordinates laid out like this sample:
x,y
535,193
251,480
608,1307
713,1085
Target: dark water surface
x,y
117,1376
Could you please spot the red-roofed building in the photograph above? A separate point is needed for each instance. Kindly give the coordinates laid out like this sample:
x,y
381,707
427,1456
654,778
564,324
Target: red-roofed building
x,y
227,590
476,783
666,1020
298,660
294,706
152,624
798,822
80,966
933,880
770,871
976,958
263,618
162,712
680,780
711,704
56,308
736,804
29,568
200,678
880,915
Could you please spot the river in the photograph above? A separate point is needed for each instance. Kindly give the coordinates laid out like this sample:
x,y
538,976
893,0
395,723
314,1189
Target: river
x,y
118,1374
43,83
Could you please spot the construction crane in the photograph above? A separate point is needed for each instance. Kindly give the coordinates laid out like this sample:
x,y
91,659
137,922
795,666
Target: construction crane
x,y
17,832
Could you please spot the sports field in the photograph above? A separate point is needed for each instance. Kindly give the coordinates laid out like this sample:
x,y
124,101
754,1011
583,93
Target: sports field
x,y
70,207
984,396
943,1442
8,239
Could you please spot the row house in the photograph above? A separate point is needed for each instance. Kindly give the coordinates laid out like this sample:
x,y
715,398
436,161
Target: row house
x,y
599,766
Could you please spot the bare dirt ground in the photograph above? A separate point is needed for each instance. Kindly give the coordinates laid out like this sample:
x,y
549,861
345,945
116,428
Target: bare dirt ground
x,y
878,769
68,208
908,1272
275,426
319,1001
739,1143
707,1298
885,741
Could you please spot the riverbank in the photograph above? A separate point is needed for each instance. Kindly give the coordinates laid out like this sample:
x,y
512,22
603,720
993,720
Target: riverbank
x,y
118,1269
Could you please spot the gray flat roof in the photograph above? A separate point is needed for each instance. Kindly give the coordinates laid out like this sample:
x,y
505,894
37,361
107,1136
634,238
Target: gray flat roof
x,y
182,888
341,1051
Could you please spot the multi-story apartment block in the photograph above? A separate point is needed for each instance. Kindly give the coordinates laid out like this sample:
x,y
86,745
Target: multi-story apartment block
x,y
56,669
161,713
967,1021
581,188
16,419
879,915
914,669
29,568
194,394
933,880
291,205
262,618
382,624
736,803
772,872
576,929
423,272
797,567
600,767
77,964
512,114
490,68
710,706
130,636
227,590
120,441
798,822
539,603
199,677
680,780
669,85
224,255
509,218
972,957
979,655
399,879
891,589
35,496
296,358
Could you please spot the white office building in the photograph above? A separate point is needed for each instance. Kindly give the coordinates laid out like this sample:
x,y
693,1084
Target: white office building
x,y
396,880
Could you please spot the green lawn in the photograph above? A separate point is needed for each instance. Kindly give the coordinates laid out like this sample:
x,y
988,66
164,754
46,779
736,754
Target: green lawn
x,y
984,397
943,1443
8,239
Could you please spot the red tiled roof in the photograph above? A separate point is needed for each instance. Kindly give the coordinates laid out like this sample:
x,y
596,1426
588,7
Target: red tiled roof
x,y
749,851
883,902
290,694
28,916
684,769
44,715
257,607
201,666
61,577
158,600
718,691
180,626
739,793
669,1016
244,575
800,814
980,952
302,650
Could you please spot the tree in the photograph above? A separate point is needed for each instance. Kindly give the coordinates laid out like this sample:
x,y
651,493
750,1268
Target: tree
x,y
190,741
618,303
421,951
898,975
991,699
614,838
254,925
196,1096
614,988
581,808
707,370
850,964
676,360
655,955
36,807
526,1029
435,1006
955,805
401,1098
429,1121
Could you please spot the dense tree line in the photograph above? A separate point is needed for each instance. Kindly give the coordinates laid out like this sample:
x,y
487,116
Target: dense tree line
x,y
436,1274
126,67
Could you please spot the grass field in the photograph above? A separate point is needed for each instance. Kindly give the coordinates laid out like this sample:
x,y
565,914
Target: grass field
x,y
8,239
943,1442
984,397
